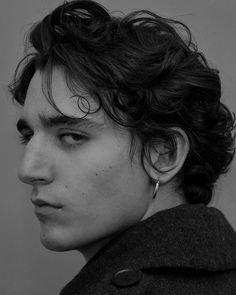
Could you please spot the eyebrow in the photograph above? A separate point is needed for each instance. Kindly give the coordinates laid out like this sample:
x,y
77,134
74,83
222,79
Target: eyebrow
x,y
56,121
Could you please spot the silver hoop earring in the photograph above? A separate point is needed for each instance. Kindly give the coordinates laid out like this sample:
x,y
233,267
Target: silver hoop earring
x,y
156,188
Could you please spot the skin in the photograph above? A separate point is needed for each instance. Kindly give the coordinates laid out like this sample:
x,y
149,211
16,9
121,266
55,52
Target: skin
x,y
98,189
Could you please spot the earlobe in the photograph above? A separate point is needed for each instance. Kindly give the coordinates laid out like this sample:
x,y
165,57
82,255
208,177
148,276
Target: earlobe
x,y
166,162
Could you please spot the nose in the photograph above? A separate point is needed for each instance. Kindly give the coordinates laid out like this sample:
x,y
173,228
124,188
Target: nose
x,y
35,165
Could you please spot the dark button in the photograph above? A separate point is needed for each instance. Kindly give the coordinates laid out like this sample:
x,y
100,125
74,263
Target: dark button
x,y
126,277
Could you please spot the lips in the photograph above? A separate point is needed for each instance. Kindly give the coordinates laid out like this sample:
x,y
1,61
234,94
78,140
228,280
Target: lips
x,y
42,203
44,209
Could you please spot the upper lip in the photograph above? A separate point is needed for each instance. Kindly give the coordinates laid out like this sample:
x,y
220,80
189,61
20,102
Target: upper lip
x,y
39,202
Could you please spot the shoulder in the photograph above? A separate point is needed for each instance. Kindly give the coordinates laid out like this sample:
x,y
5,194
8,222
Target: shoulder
x,y
162,281
185,250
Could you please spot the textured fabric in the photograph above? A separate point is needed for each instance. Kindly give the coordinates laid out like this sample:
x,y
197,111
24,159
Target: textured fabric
x,y
188,249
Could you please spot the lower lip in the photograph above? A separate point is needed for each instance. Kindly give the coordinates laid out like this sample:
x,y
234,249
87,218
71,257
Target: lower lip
x,y
45,210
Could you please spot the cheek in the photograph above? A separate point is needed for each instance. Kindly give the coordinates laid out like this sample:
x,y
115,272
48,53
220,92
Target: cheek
x,y
99,200
102,185
97,169
101,178
95,188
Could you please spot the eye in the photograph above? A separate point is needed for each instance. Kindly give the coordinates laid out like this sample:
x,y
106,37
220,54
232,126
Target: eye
x,y
71,139
25,138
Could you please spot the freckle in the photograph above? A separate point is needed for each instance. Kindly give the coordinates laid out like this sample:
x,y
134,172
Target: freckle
x,y
110,167
66,186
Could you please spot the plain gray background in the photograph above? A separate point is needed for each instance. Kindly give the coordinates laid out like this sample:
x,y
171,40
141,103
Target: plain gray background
x,y
25,266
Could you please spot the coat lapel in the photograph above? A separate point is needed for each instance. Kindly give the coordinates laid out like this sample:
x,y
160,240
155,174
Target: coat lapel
x,y
184,237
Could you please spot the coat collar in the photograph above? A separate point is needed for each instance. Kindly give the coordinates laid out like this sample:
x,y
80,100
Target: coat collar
x,y
187,236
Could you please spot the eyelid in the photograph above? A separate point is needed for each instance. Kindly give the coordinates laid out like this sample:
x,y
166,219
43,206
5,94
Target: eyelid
x,y
78,132
25,131
70,134
79,135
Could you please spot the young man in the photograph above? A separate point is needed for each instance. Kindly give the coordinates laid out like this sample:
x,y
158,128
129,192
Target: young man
x,y
125,138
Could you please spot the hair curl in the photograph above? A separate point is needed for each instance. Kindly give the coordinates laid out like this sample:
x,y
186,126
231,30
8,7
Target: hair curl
x,y
146,75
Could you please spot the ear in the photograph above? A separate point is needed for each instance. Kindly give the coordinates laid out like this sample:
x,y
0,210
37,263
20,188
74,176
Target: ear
x,y
168,163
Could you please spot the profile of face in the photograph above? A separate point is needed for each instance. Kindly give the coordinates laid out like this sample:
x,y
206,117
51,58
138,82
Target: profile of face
x,y
85,186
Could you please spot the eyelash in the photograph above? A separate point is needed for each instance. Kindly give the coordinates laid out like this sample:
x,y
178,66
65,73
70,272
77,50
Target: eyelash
x,y
24,139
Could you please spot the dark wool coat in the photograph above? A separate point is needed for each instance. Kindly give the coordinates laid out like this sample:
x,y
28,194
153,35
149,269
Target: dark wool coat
x,y
185,250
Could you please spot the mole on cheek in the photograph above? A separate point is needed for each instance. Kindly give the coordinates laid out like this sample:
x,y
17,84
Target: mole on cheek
x,y
103,170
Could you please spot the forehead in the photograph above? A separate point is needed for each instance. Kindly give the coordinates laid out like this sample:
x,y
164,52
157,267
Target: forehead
x,y
69,104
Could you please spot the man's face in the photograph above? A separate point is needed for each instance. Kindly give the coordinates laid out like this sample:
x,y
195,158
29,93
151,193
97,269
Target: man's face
x,y
85,185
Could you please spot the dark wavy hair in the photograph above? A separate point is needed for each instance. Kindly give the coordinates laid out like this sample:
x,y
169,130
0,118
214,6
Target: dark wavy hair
x,y
147,74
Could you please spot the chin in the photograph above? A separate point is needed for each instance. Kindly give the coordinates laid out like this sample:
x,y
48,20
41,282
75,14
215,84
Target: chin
x,y
53,244
54,239
60,240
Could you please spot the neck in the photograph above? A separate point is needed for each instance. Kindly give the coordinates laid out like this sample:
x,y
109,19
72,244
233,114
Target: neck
x,y
90,250
166,197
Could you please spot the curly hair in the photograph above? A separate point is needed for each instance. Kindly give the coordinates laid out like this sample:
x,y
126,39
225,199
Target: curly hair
x,y
147,74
